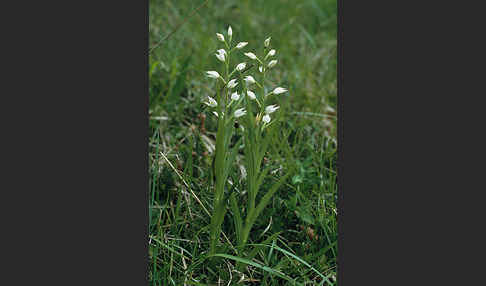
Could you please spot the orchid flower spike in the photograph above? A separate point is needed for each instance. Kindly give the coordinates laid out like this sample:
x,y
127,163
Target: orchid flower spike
x,y
240,112
232,83
266,118
220,37
241,45
212,74
251,55
267,42
271,108
249,79
279,90
241,66
251,94
211,102
235,96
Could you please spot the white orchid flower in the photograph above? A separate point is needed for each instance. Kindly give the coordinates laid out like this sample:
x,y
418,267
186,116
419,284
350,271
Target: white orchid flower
x,y
251,55
232,83
271,53
240,112
267,41
249,79
279,90
241,45
241,66
211,102
212,74
271,108
235,96
251,94
272,63
266,118
220,37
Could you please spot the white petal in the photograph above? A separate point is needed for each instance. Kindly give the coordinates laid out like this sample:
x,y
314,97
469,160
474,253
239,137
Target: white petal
x,y
251,55
241,45
212,74
230,31
240,112
232,83
251,95
266,118
270,54
235,96
241,66
211,102
220,57
267,41
279,90
220,37
249,79
271,108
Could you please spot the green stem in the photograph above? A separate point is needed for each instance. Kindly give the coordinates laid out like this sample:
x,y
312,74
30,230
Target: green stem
x,y
218,209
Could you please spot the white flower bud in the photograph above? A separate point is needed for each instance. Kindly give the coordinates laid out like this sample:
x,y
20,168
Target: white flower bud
x,y
267,41
271,53
251,95
272,63
230,31
232,83
260,68
249,79
279,90
212,74
215,113
266,118
211,102
271,108
220,37
251,55
241,45
241,66
220,57
240,112
235,96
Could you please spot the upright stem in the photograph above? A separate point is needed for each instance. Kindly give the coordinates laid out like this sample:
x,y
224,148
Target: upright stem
x,y
218,209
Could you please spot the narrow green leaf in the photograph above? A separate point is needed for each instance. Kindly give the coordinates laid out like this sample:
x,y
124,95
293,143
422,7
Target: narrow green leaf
x,y
236,217
266,199
259,246
231,158
262,176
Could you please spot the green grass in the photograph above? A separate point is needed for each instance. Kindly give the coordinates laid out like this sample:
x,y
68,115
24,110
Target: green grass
x,y
298,228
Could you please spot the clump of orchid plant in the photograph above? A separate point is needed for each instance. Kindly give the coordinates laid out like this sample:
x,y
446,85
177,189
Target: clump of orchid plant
x,y
241,97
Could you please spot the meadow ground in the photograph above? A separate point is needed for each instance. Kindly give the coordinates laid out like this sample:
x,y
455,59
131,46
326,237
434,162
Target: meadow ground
x,y
299,225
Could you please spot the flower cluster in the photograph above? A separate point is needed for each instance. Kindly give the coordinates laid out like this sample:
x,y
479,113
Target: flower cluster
x,y
253,89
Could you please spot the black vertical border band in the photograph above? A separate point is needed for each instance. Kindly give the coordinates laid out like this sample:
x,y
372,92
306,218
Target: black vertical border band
x,y
146,119
340,133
